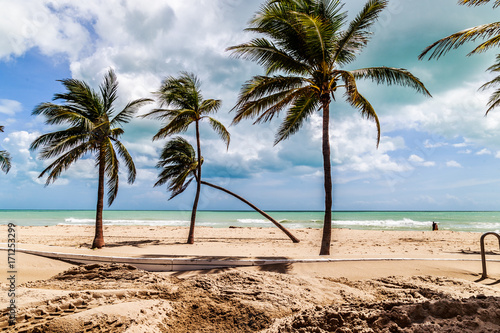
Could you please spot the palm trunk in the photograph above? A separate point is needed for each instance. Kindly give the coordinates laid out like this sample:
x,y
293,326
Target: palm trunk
x,y
276,223
198,188
327,224
99,233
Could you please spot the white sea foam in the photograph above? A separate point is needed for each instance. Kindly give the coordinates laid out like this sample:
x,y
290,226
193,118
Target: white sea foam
x,y
408,223
253,221
77,221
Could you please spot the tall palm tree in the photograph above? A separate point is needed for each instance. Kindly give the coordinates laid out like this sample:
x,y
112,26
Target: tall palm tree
x,y
179,165
4,158
490,32
304,41
93,128
181,104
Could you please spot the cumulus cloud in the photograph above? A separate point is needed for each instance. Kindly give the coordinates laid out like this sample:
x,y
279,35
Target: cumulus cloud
x,y
417,160
484,152
10,107
453,164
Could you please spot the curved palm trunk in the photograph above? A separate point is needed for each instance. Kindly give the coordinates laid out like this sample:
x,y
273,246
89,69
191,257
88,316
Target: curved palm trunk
x,y
276,223
198,188
327,224
99,233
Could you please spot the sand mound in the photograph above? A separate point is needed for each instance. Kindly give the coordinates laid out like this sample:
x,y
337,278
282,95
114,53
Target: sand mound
x,y
467,315
121,298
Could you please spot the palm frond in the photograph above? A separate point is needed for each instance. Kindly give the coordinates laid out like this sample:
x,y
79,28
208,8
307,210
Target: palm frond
x,y
456,40
63,163
265,53
388,75
129,111
303,107
127,158
209,106
358,101
471,3
177,124
221,130
266,94
111,167
109,89
357,35
5,161
178,165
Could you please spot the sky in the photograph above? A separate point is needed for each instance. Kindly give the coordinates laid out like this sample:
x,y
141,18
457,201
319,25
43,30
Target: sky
x,y
438,153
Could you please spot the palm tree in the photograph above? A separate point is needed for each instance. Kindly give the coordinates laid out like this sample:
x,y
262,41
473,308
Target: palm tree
x,y
304,41
181,104
179,165
93,128
490,32
4,158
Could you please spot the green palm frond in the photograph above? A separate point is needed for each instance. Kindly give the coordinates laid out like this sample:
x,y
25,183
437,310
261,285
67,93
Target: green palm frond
x,y
63,162
209,106
112,166
358,101
296,115
178,166
129,111
390,76
267,95
269,56
357,35
454,41
129,162
478,2
221,130
5,159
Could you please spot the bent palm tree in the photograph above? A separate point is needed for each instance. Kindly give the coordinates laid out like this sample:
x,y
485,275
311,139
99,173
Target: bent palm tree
x,y
4,158
178,164
304,40
93,129
489,32
181,104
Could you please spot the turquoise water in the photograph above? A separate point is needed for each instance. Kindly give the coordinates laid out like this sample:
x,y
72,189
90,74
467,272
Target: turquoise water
x,y
456,221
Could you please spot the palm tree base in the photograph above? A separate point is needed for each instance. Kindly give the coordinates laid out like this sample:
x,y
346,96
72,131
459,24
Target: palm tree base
x,y
97,243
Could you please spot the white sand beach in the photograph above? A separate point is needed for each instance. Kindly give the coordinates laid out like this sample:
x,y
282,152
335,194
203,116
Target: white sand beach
x,y
437,289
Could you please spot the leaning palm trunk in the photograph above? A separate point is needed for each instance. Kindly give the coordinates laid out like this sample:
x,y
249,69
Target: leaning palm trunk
x,y
276,223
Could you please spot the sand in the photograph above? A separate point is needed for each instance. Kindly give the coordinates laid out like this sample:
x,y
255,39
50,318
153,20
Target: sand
x,y
437,288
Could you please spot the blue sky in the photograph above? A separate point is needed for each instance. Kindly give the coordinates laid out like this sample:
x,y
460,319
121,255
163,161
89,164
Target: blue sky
x,y
435,154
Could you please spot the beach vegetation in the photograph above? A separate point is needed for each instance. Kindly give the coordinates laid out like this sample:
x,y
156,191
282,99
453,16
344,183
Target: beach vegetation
x,y
5,163
489,33
304,47
93,127
178,164
181,104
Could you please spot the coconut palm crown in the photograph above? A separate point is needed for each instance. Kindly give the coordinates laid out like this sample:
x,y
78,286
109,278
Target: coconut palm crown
x,y
4,158
489,33
304,47
93,127
181,104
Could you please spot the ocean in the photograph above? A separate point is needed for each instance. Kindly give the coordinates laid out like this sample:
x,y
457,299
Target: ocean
x,y
367,220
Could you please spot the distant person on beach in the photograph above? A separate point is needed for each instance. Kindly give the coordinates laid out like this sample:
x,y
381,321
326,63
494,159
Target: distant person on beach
x,y
434,226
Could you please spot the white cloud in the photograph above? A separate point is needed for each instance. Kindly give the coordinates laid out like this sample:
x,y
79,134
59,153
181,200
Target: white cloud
x,y
10,107
453,164
484,152
417,160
